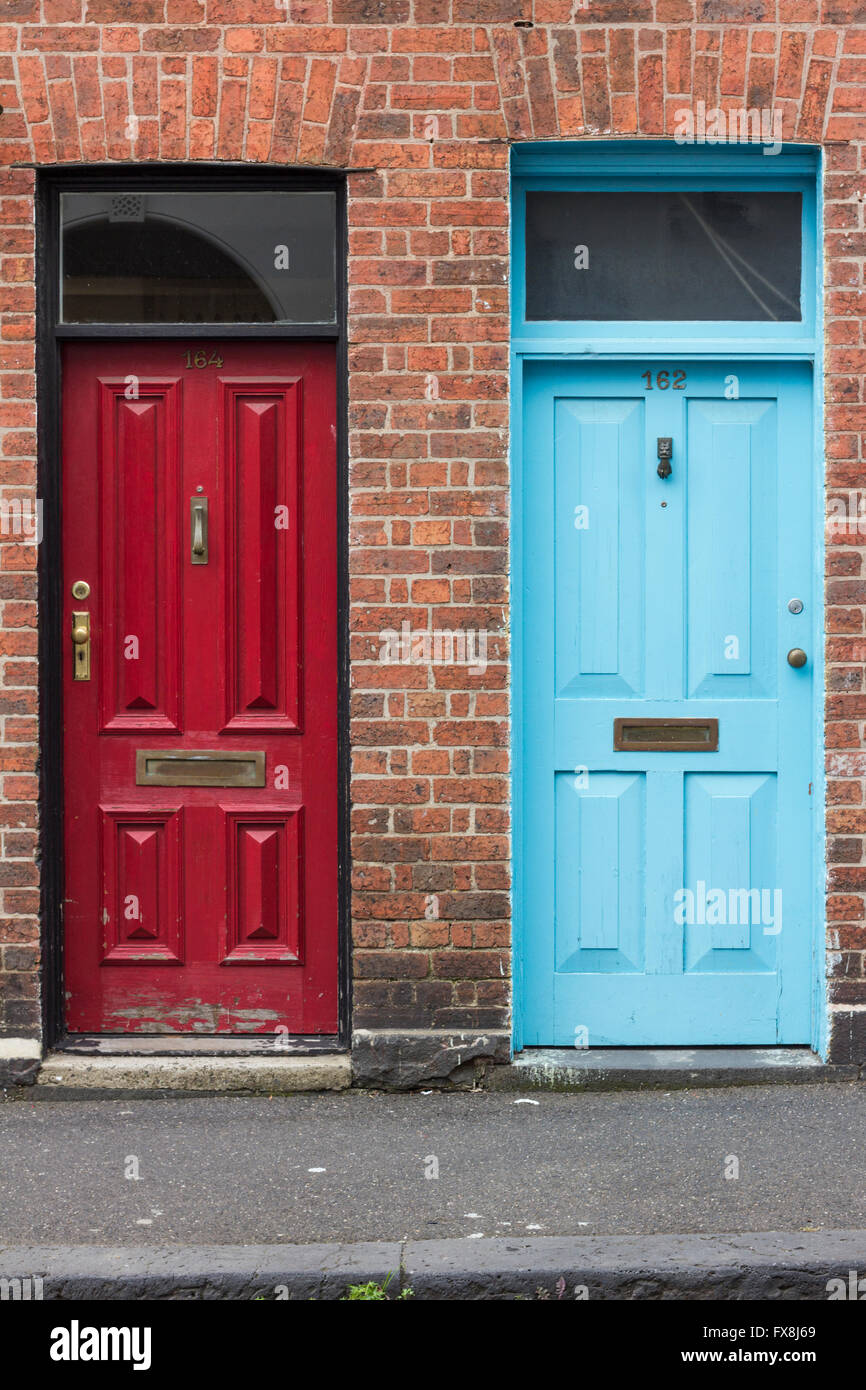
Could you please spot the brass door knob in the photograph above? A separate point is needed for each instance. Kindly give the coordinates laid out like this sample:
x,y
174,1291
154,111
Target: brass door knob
x,y
797,657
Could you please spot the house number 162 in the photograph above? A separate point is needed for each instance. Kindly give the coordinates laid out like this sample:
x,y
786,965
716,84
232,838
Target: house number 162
x,y
663,380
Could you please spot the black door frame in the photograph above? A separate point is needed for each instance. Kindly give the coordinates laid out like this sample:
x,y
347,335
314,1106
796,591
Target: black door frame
x,y
52,649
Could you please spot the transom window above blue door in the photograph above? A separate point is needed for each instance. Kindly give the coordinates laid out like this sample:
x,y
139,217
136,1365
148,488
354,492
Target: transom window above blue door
x,y
651,246
663,255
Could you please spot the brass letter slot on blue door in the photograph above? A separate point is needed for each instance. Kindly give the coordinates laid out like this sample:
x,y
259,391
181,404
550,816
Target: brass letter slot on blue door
x,y
173,767
666,735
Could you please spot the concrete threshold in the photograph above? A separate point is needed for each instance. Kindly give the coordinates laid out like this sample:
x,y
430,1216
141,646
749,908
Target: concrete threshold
x,y
766,1265
662,1068
63,1076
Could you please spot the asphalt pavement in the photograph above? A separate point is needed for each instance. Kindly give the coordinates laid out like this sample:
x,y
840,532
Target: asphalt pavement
x,y
356,1166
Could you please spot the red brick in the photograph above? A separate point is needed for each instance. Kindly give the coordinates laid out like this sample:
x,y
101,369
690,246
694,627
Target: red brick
x,y
811,122
791,57
320,90
33,89
59,38
205,76
650,96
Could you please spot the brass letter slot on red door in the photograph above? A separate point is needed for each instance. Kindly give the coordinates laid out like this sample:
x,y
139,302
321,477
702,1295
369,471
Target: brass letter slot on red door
x,y
172,767
666,735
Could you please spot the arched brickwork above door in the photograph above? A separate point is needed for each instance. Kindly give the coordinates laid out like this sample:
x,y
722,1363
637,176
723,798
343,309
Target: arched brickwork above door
x,y
355,84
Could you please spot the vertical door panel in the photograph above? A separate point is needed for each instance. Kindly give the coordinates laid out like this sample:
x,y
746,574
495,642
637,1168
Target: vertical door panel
x,y
138,584
731,869
599,544
732,547
142,886
600,837
263,540
265,873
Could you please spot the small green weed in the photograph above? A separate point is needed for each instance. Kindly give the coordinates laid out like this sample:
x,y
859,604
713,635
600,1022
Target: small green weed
x,y
374,1293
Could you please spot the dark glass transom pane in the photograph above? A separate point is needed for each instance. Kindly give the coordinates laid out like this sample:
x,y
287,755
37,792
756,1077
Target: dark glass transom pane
x,y
198,257
666,255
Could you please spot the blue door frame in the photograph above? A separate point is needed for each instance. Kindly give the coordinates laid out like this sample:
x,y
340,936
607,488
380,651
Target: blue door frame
x,y
647,165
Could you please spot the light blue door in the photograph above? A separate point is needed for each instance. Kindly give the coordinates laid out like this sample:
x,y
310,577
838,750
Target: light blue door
x,y
667,889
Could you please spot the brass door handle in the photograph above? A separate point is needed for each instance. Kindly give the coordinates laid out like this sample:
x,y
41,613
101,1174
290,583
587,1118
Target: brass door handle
x,y
198,521
797,657
81,646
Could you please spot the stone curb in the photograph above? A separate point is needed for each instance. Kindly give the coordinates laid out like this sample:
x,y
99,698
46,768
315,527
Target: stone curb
x,y
767,1265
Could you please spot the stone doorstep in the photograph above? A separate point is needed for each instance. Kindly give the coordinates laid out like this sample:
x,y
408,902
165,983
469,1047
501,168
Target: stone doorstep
x,y
382,1060
763,1265
62,1074
663,1068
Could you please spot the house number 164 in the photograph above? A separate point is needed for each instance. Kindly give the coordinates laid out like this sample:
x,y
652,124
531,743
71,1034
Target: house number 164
x,y
200,358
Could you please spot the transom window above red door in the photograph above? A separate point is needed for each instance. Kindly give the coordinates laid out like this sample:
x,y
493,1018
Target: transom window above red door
x,y
251,257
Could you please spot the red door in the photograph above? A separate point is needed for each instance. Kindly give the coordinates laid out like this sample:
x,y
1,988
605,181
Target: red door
x,y
200,707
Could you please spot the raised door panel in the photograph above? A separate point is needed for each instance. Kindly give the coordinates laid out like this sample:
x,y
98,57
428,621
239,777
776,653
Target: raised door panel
x,y
263,541
265,874
599,546
142,859
732,590
139,585
600,855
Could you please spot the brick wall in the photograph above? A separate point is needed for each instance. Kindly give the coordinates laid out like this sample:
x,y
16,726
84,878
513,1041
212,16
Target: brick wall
x,y
427,94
